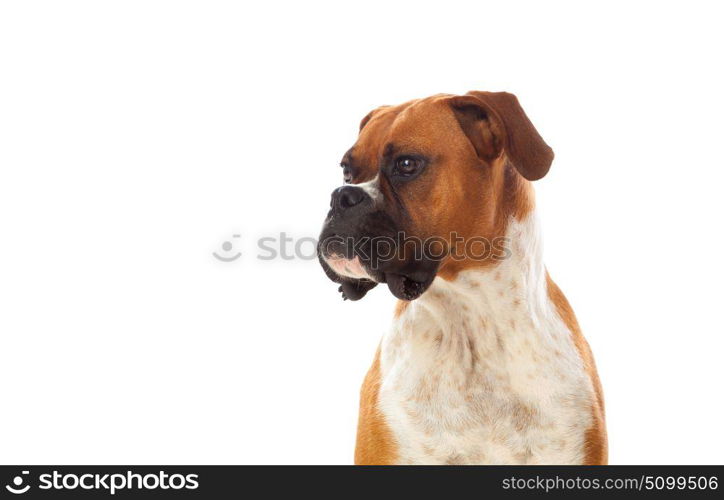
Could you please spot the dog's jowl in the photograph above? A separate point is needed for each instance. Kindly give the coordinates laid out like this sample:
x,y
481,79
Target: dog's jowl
x,y
484,362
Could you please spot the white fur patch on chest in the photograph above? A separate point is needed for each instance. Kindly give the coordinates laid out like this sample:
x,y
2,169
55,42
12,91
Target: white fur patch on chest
x,y
483,370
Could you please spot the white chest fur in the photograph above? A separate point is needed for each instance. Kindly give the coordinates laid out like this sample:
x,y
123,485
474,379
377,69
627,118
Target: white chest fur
x,y
483,369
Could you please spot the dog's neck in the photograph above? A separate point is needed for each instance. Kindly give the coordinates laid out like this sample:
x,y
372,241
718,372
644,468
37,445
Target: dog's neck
x,y
514,286
491,345
496,319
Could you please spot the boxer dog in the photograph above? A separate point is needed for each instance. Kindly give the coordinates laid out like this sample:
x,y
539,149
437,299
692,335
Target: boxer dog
x,y
485,362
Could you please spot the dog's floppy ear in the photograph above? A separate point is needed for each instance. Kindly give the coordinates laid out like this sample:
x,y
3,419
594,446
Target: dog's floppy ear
x,y
495,123
369,116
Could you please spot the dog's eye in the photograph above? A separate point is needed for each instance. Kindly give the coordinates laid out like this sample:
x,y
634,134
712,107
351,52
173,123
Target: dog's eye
x,y
406,166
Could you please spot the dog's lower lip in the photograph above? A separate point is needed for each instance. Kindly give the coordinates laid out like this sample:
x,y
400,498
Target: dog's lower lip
x,y
404,287
349,267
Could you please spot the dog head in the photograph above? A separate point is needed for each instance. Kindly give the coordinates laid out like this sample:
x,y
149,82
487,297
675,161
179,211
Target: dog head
x,y
424,179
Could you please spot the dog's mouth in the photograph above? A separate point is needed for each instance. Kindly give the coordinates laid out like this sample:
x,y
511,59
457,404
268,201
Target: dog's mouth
x,y
357,277
348,268
353,278
363,252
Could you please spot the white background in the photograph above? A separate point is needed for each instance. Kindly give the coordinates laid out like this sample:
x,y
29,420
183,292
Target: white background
x,y
137,137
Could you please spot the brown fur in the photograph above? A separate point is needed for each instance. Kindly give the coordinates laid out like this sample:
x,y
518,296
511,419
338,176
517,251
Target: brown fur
x,y
596,439
375,442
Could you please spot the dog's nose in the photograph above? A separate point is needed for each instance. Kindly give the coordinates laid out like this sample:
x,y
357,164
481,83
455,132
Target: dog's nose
x,y
347,197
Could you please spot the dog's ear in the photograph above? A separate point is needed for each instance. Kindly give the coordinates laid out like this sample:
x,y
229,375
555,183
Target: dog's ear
x,y
495,123
370,115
